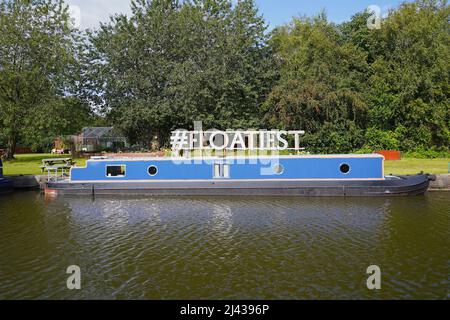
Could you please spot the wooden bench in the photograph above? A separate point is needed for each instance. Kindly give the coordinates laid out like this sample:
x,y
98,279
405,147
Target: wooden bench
x,y
54,165
61,162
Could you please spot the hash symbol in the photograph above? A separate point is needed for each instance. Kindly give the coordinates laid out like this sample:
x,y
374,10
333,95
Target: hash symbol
x,y
179,140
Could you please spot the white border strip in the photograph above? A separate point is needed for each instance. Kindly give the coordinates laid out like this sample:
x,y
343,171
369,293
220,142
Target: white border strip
x,y
218,180
371,155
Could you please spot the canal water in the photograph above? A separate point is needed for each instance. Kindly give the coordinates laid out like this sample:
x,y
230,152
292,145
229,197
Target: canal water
x,y
224,248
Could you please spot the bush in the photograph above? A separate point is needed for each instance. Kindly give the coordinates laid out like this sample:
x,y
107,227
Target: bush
x,y
364,150
376,139
333,138
431,153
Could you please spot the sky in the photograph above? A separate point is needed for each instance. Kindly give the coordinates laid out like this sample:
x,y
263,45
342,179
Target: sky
x,y
276,12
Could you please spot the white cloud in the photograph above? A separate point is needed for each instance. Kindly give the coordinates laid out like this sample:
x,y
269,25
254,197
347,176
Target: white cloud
x,y
95,11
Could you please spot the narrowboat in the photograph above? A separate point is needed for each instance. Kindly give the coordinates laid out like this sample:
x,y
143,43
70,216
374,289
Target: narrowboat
x,y
308,175
6,185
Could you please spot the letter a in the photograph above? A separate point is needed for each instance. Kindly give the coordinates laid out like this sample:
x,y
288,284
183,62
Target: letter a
x,y
374,281
74,280
374,20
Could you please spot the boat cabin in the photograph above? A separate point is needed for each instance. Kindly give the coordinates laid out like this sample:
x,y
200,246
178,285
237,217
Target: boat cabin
x,y
310,167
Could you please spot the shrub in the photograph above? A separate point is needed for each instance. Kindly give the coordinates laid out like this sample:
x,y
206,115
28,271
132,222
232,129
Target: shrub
x,y
376,139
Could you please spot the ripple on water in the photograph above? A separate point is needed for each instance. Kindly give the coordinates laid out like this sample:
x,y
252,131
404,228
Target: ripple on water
x,y
285,248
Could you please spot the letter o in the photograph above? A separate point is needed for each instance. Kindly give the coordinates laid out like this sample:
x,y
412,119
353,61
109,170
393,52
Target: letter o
x,y
226,140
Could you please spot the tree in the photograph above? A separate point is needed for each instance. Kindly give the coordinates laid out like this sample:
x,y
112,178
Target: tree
x,y
321,85
171,63
358,34
349,86
37,50
409,86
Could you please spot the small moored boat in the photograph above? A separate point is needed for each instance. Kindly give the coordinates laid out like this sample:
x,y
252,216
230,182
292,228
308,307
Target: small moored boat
x,y
311,175
6,185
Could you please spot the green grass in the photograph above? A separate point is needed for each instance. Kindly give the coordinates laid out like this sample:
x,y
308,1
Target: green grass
x,y
30,164
25,164
412,166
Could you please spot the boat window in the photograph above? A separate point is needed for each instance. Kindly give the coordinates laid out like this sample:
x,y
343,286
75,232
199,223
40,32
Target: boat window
x,y
345,168
216,170
152,170
278,169
226,171
115,171
221,170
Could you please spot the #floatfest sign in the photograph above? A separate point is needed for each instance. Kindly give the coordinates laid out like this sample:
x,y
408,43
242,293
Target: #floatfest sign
x,y
198,139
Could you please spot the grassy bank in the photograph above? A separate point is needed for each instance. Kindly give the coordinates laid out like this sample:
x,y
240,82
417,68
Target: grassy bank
x,y
412,165
25,164
30,163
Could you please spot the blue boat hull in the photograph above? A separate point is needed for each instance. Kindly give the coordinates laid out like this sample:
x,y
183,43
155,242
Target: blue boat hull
x,y
393,186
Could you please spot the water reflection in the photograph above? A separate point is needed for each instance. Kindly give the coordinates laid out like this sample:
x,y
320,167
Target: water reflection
x,y
222,223
196,248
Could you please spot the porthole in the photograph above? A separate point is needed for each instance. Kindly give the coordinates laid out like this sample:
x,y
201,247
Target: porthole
x,y
278,169
152,170
345,168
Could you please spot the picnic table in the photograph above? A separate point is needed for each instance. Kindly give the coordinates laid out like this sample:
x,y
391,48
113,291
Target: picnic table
x,y
55,165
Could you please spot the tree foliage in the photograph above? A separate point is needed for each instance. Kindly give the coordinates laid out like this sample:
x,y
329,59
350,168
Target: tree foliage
x,y
321,86
350,86
409,84
37,51
174,62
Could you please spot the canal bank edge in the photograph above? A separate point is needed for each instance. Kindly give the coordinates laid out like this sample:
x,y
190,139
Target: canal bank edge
x,y
442,182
